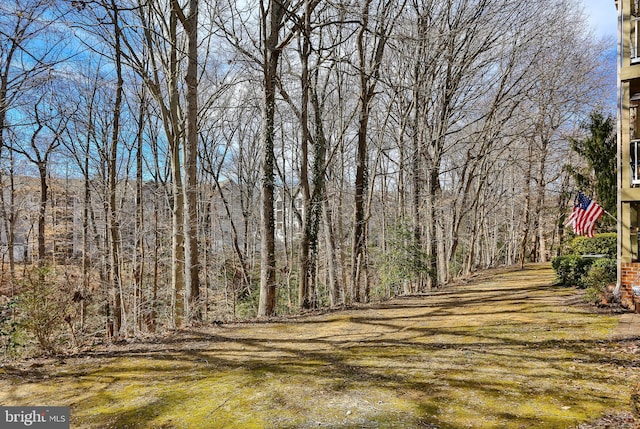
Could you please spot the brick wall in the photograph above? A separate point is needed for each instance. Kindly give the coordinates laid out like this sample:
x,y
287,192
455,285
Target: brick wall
x,y
630,276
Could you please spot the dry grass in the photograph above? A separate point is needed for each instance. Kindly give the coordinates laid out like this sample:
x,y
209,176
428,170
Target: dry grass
x,y
507,351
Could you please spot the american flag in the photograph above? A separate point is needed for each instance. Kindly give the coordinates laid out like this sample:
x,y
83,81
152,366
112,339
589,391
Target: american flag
x,y
584,215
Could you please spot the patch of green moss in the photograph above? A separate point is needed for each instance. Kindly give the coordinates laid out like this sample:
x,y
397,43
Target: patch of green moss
x,y
502,353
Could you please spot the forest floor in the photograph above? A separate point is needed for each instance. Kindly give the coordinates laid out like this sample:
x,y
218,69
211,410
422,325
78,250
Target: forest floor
x,y
506,350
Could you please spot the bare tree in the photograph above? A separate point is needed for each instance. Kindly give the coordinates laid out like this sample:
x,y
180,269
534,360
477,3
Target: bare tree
x,y
49,120
371,44
29,48
189,22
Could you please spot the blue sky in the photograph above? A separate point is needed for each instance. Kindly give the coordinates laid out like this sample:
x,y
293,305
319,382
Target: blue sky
x,y
603,20
602,16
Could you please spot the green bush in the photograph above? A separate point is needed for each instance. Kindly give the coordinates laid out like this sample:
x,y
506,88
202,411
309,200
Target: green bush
x,y
571,269
9,328
600,244
403,262
601,273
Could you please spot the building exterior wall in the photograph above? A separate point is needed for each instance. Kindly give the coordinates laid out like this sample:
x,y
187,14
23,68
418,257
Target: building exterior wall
x,y
628,134
630,275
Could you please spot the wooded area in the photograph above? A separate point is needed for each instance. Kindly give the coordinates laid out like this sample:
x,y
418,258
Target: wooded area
x,y
167,162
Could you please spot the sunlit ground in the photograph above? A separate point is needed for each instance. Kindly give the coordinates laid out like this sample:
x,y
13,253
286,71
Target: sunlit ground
x,y
510,351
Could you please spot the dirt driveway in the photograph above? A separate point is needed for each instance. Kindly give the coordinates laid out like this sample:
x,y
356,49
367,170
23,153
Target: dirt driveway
x,y
504,351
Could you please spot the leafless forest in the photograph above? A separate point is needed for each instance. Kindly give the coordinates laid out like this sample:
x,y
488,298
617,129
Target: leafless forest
x,y
169,162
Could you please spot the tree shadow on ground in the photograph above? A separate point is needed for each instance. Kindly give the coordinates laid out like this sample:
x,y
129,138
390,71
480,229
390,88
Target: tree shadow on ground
x,y
496,354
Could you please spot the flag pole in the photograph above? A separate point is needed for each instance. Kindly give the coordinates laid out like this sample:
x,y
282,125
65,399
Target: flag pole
x,y
611,216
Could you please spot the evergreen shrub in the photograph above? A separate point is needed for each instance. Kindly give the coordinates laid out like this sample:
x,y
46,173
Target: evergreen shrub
x,y
601,273
601,244
570,269
573,268
9,328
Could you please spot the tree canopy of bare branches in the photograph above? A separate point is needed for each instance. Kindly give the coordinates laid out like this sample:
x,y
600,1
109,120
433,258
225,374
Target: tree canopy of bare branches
x,y
225,159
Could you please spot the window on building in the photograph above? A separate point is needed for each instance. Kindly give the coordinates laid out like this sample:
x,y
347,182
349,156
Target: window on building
x,y
634,231
635,162
634,147
634,16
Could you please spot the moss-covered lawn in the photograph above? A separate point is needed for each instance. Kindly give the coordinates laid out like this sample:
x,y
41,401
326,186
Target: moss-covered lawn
x,y
509,351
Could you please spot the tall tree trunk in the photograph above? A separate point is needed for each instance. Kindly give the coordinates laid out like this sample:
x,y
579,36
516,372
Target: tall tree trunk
x,y
314,210
304,277
138,258
539,252
44,193
192,262
369,73
431,213
9,213
86,204
9,217
313,193
175,139
335,297
271,24
361,179
417,169
153,316
526,216
114,227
